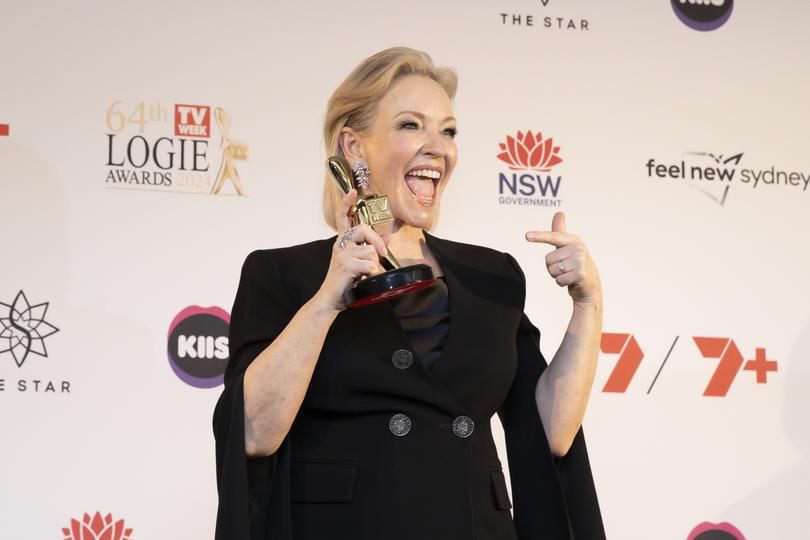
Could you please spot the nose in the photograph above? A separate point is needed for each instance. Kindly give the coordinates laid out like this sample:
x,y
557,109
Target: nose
x,y
435,144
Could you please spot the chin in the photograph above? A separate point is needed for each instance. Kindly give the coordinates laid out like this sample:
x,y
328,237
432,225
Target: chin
x,y
423,218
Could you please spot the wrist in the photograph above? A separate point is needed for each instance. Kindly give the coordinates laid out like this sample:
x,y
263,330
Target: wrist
x,y
587,304
321,307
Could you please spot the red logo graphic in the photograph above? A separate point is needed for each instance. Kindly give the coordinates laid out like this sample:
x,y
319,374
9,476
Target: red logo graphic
x,y
630,355
192,120
529,152
4,129
96,528
731,360
730,364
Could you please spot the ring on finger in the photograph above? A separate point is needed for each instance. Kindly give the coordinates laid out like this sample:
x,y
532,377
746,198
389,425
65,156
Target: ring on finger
x,y
346,236
561,266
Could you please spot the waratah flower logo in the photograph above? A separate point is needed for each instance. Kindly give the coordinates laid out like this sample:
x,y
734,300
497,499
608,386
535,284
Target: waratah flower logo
x,y
529,151
96,528
23,330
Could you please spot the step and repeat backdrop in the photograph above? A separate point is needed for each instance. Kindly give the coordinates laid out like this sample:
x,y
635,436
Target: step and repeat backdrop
x,y
147,147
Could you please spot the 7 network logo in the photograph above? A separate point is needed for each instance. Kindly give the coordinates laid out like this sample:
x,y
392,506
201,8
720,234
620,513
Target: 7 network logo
x,y
731,362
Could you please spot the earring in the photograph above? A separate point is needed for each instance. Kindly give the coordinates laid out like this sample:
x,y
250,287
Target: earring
x,y
361,173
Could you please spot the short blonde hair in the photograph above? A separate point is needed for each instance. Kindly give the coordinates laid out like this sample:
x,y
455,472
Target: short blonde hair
x,y
354,102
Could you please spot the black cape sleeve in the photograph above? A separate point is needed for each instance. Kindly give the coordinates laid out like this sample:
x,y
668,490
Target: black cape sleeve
x,y
554,498
252,491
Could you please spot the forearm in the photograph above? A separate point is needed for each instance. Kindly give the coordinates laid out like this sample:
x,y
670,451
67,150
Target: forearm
x,y
564,387
277,380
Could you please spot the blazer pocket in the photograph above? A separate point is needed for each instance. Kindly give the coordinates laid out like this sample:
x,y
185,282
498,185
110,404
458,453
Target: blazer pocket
x,y
322,481
500,495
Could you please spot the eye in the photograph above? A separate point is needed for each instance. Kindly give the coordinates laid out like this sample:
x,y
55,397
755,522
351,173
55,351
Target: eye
x,y
451,132
409,124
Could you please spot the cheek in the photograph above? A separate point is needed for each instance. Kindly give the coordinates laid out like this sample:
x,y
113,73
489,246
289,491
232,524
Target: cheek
x,y
402,144
452,157
393,155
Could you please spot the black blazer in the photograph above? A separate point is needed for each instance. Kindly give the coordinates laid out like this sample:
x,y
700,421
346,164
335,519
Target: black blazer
x,y
383,448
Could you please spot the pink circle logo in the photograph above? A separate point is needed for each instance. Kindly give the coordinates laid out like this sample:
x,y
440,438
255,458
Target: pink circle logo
x,y
715,531
198,345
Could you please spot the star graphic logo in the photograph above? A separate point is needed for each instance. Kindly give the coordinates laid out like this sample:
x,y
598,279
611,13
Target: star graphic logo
x,y
23,328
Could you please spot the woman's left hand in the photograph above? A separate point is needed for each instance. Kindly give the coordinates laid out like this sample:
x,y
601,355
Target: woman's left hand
x,y
570,264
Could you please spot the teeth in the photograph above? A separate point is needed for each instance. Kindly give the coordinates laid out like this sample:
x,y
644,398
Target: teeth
x,y
427,173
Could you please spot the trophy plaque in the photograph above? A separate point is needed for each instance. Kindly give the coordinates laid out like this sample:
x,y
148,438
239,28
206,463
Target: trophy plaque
x,y
373,209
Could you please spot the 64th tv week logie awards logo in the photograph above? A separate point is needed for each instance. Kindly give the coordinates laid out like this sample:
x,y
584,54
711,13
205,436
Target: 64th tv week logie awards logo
x,y
172,148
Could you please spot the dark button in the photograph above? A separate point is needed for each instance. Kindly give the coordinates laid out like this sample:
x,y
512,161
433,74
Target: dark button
x,y
463,426
402,359
399,425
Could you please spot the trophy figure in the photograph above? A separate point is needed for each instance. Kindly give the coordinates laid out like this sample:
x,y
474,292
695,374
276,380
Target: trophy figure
x,y
374,209
231,150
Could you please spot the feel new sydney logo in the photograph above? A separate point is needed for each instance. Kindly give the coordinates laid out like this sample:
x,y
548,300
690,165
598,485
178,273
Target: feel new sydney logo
x,y
715,174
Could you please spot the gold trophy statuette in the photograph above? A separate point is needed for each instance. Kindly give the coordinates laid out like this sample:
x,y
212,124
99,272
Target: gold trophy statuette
x,y
232,150
372,210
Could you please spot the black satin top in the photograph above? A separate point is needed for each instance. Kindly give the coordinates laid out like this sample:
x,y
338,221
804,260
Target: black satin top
x,y
425,317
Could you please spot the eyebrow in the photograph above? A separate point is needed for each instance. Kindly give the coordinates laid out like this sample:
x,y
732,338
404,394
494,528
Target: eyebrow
x,y
422,116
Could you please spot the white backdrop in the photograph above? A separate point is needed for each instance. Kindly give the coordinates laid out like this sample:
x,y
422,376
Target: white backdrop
x,y
117,262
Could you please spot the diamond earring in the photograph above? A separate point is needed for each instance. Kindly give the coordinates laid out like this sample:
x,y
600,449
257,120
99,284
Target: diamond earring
x,y
361,173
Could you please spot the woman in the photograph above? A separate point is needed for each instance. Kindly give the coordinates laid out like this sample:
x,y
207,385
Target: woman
x,y
374,423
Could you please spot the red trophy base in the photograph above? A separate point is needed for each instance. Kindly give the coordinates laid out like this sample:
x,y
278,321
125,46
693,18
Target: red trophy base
x,y
389,284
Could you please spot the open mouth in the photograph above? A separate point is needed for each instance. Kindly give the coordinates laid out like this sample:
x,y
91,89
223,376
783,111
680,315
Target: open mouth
x,y
422,182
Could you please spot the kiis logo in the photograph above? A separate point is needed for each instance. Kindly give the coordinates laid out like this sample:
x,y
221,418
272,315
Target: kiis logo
x,y
146,151
198,345
4,130
703,15
97,528
731,362
529,152
714,174
715,531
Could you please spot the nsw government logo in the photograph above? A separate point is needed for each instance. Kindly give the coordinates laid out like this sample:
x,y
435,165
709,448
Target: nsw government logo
x,y
198,345
172,148
531,159
703,15
97,527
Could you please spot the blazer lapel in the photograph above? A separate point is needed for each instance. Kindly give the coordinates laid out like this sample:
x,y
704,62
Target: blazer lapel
x,y
479,359
459,363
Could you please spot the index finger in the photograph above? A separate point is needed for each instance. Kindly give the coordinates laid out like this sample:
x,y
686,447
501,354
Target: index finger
x,y
342,221
555,238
